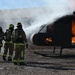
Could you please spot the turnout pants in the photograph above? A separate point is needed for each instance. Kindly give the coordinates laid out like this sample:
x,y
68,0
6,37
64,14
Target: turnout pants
x,y
0,46
19,52
8,46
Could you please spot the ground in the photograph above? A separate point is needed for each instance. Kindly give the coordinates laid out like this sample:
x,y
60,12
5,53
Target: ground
x,y
42,62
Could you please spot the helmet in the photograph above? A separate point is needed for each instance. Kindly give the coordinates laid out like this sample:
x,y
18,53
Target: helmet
x,y
19,24
11,26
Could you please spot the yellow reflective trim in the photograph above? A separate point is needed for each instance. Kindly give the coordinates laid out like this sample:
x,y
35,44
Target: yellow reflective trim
x,y
15,60
20,36
0,44
22,54
9,42
19,44
20,60
10,55
16,46
4,55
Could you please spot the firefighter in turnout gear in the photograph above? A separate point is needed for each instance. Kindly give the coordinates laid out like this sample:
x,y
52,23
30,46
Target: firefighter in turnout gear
x,y
20,42
1,37
8,45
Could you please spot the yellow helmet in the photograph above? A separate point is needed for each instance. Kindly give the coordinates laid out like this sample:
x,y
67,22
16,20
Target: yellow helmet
x,y
11,25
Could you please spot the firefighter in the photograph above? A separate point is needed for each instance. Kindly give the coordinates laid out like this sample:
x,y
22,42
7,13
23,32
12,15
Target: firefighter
x,y
1,37
8,43
20,42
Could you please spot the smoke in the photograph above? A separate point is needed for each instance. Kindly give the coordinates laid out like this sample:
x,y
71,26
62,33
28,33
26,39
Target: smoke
x,y
12,16
57,5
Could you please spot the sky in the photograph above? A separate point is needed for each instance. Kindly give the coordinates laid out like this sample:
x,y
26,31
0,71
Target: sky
x,y
13,4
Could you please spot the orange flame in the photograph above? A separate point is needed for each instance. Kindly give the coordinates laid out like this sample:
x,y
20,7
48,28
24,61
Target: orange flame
x,y
48,40
73,31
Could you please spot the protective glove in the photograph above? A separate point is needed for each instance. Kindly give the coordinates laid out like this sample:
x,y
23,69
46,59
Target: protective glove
x,y
27,45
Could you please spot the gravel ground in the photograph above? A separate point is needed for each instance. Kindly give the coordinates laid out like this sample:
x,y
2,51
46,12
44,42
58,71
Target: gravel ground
x,y
42,62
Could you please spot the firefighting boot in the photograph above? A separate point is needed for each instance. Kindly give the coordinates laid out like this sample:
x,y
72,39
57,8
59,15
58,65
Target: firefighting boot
x,y
15,63
22,63
9,59
4,58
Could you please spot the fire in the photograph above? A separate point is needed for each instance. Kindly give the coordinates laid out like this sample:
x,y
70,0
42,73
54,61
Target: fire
x,y
73,31
48,40
73,40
